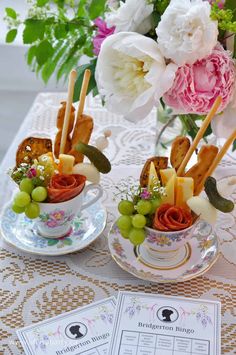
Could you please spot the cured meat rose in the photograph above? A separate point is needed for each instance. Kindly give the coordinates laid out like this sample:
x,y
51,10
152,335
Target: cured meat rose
x,y
172,218
65,187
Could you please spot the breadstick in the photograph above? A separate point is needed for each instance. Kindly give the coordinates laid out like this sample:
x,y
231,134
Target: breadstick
x,y
199,135
217,160
84,124
71,86
83,93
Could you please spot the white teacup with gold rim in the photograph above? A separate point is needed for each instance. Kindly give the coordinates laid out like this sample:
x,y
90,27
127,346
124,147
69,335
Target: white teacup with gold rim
x,y
55,219
167,244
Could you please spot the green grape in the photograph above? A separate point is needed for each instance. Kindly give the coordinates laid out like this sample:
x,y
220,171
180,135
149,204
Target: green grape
x,y
22,199
125,233
32,210
26,185
155,204
126,207
124,222
17,209
139,221
137,236
144,207
39,194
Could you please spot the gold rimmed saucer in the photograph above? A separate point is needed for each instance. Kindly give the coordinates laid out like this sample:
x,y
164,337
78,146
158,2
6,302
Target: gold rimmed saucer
x,y
193,260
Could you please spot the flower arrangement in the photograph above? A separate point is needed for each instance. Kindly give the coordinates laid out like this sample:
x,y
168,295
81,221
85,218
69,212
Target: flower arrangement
x,y
142,53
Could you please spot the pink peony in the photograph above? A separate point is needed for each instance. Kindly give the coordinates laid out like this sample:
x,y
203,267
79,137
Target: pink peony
x,y
197,86
102,33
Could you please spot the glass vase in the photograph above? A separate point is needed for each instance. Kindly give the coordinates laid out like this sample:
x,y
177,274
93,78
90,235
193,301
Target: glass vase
x,y
169,126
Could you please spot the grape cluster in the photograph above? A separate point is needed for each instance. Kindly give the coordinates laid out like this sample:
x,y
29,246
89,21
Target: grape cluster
x,y
28,196
133,218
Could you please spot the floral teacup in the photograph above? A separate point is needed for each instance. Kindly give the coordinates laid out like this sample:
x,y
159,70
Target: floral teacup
x,y
163,245
55,218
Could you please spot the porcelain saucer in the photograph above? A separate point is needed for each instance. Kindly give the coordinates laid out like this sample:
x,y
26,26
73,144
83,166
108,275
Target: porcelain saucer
x,y
191,261
22,232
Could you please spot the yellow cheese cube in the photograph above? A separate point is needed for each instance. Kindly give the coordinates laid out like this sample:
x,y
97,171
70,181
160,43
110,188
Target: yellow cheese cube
x,y
170,191
66,163
152,178
166,174
184,190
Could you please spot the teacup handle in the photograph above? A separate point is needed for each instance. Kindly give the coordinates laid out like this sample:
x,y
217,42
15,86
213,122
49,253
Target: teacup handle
x,y
94,198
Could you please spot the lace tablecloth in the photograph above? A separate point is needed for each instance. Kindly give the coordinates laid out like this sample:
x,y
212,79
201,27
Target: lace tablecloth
x,y
34,288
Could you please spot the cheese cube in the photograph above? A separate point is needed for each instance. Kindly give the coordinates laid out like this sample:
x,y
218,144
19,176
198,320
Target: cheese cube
x,y
66,163
166,174
184,190
152,178
170,191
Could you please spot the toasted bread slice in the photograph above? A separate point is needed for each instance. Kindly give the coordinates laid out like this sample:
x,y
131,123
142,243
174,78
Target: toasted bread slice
x,y
179,149
159,163
82,133
31,148
206,156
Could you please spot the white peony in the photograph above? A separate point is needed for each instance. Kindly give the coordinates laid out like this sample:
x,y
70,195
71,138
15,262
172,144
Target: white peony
x,y
224,124
131,16
186,32
131,74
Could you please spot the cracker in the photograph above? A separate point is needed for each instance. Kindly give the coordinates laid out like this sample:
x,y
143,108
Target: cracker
x,y
31,148
205,158
179,149
159,163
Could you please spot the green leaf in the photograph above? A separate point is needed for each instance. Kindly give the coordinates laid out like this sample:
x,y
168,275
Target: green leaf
x,y
41,3
60,31
34,30
230,4
11,35
79,80
96,8
51,65
31,54
43,52
11,12
52,242
81,11
67,241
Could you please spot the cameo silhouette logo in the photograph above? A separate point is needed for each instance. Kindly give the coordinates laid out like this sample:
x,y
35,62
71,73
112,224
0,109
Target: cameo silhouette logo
x,y
167,314
76,330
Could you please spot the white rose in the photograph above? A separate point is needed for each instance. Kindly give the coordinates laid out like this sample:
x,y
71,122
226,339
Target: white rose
x,y
224,124
131,16
186,32
131,74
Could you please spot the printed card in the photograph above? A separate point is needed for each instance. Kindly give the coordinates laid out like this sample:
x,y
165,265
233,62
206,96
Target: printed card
x,y
148,324
86,331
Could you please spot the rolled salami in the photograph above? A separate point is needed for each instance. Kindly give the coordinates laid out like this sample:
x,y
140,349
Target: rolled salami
x,y
65,187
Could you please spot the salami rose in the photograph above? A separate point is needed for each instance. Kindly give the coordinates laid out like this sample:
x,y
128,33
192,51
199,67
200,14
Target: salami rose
x,y
172,218
65,187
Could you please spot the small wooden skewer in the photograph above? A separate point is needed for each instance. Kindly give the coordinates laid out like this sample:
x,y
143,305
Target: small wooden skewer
x,y
199,135
71,86
217,160
83,93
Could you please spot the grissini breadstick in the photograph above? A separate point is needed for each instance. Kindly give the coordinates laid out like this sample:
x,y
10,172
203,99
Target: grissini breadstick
x,y
217,160
60,121
83,93
66,122
199,135
84,124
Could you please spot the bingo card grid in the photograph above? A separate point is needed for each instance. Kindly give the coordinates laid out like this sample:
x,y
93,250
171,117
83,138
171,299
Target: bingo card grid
x,y
142,343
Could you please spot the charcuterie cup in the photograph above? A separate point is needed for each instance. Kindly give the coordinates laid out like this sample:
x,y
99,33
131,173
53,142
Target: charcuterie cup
x,y
55,219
